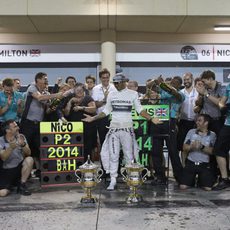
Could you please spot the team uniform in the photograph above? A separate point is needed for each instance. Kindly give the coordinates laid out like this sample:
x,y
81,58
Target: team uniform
x,y
121,132
197,162
32,116
10,174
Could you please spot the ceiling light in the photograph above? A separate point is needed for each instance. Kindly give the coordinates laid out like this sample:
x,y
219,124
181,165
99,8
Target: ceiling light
x,y
222,28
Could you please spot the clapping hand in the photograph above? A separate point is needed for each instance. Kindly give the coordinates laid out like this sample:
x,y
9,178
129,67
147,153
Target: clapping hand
x,y
21,139
13,144
196,145
201,89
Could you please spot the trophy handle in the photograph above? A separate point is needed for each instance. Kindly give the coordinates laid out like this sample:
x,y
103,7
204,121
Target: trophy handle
x,y
99,174
125,178
78,178
144,177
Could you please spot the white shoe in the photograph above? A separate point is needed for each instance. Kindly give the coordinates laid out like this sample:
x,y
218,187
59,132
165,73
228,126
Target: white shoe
x,y
112,184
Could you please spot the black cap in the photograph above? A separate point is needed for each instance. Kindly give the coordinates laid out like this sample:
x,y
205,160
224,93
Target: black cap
x,y
120,78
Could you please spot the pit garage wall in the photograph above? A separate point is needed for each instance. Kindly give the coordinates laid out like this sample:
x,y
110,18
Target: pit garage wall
x,y
138,61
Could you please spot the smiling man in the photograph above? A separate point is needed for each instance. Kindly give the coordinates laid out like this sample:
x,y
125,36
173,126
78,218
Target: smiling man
x,y
11,103
187,114
17,162
33,114
199,144
121,132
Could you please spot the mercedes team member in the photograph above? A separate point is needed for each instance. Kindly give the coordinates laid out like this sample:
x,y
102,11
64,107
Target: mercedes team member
x,y
121,131
17,161
198,145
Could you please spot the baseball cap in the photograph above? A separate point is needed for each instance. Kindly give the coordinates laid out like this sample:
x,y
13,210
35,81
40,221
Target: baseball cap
x,y
120,78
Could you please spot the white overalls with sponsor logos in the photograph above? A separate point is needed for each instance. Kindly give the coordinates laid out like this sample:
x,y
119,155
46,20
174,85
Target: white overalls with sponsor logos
x,y
121,133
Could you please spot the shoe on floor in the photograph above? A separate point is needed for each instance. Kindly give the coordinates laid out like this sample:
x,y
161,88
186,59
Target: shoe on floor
x,y
23,190
112,184
223,183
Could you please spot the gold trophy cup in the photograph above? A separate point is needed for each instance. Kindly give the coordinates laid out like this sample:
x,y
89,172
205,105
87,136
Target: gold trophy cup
x,y
90,177
134,175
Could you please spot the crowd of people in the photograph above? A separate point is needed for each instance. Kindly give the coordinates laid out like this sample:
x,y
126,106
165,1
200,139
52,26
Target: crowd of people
x,y
196,136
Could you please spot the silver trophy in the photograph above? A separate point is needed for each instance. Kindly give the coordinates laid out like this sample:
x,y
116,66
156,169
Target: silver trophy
x,y
90,177
134,175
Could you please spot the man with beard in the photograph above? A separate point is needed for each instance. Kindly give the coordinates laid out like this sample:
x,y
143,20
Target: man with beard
x,y
17,162
187,114
198,145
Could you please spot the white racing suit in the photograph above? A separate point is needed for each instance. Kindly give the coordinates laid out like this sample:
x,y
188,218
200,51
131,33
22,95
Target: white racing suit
x,y
121,133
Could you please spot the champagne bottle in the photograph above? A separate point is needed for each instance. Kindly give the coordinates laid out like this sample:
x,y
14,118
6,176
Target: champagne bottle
x,y
55,102
165,87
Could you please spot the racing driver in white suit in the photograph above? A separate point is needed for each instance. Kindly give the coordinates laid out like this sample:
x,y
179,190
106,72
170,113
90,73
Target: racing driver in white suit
x,y
121,133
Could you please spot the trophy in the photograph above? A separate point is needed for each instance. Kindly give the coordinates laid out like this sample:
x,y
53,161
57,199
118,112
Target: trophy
x,y
134,175
90,177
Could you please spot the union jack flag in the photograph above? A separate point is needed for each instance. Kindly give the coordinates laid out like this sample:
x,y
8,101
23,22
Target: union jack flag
x,y
35,52
161,112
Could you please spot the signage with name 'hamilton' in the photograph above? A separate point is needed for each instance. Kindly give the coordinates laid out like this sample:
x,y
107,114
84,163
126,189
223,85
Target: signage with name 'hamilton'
x,y
61,152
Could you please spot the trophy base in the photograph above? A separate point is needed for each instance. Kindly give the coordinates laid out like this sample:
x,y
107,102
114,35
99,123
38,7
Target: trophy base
x,y
88,200
134,198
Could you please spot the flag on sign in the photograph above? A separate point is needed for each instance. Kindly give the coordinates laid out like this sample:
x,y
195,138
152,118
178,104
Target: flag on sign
x,y
161,112
35,52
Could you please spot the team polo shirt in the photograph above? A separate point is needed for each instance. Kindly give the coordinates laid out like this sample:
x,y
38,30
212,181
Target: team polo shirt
x,y
11,113
206,140
208,106
227,94
15,158
37,108
120,104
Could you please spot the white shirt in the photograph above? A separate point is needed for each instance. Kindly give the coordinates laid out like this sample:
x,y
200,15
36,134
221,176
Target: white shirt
x,y
98,94
120,104
186,111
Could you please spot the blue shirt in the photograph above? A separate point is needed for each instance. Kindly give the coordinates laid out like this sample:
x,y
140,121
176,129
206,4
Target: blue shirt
x,y
11,113
175,104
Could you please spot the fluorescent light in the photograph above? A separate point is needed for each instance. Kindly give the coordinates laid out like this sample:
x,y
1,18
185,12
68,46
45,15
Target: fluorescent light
x,y
222,28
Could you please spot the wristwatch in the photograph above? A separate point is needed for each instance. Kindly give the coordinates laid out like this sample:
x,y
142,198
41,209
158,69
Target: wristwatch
x,y
207,95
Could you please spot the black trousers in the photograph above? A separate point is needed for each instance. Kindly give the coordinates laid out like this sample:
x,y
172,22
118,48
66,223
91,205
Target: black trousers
x,y
183,127
31,130
168,132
